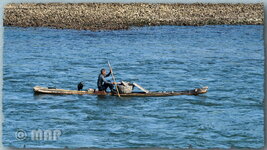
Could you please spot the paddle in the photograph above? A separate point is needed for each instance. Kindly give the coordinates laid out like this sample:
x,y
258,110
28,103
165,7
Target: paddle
x,y
114,79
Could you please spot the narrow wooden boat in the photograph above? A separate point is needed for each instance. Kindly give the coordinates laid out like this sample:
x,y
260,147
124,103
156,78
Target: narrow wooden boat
x,y
45,90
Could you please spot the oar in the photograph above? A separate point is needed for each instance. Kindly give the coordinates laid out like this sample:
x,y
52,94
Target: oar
x,y
114,79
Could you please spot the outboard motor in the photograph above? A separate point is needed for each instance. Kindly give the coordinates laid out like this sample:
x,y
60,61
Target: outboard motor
x,y
80,86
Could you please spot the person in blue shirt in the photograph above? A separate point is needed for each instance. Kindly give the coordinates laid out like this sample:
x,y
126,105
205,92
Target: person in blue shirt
x,y
102,83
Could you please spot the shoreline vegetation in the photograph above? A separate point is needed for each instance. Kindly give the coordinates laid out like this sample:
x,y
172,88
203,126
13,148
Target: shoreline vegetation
x,y
116,16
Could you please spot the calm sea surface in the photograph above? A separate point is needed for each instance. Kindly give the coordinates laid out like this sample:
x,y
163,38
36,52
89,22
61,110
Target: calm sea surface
x,y
228,59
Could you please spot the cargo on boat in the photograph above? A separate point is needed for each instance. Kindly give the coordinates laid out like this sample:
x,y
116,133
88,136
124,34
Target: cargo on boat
x,y
45,90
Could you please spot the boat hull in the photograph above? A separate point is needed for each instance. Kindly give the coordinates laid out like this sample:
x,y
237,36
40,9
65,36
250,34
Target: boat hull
x,y
44,90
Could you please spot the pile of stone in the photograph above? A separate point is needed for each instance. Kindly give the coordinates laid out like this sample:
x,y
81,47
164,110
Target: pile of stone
x,y
112,16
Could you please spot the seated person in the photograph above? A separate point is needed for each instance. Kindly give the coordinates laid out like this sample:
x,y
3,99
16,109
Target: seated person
x,y
102,83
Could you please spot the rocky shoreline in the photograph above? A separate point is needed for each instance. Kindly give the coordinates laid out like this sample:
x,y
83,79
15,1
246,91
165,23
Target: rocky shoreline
x,y
114,16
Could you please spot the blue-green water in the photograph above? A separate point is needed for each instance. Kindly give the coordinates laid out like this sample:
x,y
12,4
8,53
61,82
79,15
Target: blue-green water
x,y
228,59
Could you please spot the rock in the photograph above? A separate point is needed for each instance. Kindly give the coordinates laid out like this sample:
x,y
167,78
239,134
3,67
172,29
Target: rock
x,y
115,16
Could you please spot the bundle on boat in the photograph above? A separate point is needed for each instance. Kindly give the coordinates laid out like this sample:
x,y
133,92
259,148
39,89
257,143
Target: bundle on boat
x,y
125,91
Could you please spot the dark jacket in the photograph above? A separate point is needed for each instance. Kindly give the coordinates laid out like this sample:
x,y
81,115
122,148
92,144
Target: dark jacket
x,y
101,80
